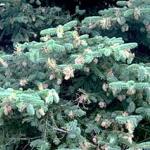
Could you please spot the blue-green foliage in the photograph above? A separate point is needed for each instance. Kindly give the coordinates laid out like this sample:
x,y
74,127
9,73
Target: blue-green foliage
x,y
73,91
130,20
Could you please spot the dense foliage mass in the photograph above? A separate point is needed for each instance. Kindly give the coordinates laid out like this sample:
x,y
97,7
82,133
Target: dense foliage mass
x,y
130,20
77,84
21,22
